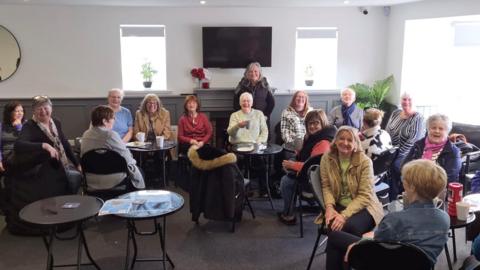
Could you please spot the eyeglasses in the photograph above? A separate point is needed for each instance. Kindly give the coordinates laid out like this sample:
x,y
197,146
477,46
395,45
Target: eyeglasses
x,y
314,123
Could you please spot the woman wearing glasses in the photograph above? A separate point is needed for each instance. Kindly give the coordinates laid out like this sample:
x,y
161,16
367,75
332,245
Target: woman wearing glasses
x,y
42,138
152,119
316,142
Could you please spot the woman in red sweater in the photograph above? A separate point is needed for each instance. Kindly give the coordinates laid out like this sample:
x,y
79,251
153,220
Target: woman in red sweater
x,y
194,128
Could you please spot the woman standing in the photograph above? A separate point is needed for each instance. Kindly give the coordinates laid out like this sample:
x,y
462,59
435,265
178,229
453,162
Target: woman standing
x,y
374,139
347,183
437,148
13,119
292,123
152,119
317,141
123,116
405,126
42,138
193,127
254,83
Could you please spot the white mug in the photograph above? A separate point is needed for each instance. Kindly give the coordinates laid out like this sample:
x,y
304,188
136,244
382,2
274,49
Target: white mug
x,y
462,210
140,136
160,141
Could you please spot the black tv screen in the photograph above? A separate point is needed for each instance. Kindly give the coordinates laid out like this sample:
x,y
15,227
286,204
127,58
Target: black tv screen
x,y
236,47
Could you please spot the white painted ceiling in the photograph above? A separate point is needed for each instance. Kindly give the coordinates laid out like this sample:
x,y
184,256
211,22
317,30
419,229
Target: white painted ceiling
x,y
214,3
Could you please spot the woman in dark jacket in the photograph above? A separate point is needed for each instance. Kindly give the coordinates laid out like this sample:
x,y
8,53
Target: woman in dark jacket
x,y
42,138
13,120
257,85
317,141
436,147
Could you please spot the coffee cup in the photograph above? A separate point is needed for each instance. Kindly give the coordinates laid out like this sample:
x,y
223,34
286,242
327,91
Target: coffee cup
x,y
140,136
248,124
462,210
160,140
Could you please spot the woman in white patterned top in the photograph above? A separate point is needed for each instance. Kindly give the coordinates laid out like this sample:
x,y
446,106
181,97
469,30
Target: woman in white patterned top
x,y
292,123
405,126
374,139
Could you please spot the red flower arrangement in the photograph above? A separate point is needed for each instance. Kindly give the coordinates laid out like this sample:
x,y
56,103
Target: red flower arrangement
x,y
202,75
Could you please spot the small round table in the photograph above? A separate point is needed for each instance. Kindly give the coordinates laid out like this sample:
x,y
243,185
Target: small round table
x,y
55,211
150,204
151,148
268,152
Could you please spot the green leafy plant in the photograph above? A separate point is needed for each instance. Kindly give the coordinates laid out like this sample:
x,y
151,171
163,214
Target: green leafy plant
x,y
372,96
147,71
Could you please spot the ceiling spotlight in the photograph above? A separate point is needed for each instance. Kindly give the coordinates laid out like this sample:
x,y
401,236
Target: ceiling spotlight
x,y
203,2
346,2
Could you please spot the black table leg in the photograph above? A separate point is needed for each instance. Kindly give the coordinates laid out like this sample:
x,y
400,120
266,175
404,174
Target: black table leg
x,y
82,236
267,180
79,247
449,261
164,171
48,244
162,235
454,246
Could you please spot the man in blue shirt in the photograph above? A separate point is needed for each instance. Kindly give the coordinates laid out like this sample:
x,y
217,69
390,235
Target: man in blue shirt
x,y
123,117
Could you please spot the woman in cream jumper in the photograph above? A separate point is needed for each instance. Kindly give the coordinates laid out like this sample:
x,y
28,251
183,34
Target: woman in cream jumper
x,y
247,125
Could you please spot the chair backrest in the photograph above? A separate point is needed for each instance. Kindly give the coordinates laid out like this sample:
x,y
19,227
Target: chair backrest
x,y
383,162
315,181
376,255
103,161
313,160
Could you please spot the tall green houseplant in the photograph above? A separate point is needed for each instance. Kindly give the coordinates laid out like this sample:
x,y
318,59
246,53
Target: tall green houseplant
x,y
372,96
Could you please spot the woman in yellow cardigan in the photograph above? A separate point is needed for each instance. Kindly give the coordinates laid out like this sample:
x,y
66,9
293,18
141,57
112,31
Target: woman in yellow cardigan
x,y
152,119
347,181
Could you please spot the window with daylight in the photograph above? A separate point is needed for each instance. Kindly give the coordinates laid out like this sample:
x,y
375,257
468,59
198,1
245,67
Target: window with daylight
x,y
316,58
141,44
440,66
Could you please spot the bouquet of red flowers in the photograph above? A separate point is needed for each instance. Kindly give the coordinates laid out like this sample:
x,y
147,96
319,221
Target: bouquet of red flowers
x,y
200,73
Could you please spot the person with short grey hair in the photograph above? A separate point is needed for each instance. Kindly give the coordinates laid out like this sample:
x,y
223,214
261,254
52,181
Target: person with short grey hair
x,y
436,147
346,114
123,117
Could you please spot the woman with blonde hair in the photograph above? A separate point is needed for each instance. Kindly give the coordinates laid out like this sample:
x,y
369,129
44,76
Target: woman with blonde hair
x,y
375,140
347,182
152,119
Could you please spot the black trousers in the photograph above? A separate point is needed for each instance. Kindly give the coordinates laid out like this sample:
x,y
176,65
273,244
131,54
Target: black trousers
x,y
352,231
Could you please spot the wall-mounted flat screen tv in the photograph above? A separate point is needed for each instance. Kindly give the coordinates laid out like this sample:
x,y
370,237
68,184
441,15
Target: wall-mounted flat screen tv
x,y
236,47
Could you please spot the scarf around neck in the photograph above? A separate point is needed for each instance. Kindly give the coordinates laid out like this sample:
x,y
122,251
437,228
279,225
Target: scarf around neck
x,y
346,113
432,150
51,132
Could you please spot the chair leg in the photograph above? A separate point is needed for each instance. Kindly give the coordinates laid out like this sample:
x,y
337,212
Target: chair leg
x,y
300,209
315,246
247,201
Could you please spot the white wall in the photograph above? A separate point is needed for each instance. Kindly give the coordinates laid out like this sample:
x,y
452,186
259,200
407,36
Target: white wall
x,y
75,51
427,9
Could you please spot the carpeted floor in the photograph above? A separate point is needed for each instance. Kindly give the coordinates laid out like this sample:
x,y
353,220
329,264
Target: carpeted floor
x,y
261,243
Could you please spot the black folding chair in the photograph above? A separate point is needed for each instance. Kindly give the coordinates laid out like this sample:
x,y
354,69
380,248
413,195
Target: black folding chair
x,y
380,255
103,161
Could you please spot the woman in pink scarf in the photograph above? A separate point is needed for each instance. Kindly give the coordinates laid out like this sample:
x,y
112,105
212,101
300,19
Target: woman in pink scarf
x,y
436,147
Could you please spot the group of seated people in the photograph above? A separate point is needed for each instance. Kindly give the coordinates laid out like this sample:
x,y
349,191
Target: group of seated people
x,y
348,138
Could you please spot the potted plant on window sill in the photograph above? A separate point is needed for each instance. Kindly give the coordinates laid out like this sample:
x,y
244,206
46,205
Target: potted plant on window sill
x,y
147,73
309,75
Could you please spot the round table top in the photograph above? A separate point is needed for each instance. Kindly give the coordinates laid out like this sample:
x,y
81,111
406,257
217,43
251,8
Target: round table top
x,y
271,149
152,203
455,223
151,147
61,209
474,201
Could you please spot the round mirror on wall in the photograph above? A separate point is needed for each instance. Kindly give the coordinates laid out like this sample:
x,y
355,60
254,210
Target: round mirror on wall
x,y
9,54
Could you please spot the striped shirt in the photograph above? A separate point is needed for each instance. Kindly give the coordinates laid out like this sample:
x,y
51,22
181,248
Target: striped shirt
x,y
405,132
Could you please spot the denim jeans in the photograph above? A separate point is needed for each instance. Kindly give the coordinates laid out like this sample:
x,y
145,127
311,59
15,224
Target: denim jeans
x,y
287,188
